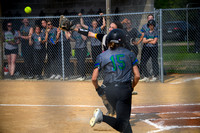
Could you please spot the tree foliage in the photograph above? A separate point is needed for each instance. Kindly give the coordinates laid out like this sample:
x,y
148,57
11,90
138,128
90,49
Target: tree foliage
x,y
165,4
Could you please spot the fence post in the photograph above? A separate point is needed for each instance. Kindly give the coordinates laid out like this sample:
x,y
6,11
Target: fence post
x,y
1,51
161,50
187,27
63,61
108,8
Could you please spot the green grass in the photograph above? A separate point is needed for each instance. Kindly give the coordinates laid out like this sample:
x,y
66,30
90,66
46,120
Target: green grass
x,y
178,60
179,53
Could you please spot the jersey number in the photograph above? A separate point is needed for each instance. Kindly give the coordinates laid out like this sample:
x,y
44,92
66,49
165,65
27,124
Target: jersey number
x,y
117,62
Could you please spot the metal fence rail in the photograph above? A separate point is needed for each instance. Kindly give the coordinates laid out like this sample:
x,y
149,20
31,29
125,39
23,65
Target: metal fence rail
x,y
71,56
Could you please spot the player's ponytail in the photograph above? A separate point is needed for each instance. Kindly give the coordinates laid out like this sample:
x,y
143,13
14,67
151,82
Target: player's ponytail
x,y
116,38
112,45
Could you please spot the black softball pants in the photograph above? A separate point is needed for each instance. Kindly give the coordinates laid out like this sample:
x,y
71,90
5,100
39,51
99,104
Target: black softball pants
x,y
148,52
96,50
27,54
119,96
81,54
38,56
51,65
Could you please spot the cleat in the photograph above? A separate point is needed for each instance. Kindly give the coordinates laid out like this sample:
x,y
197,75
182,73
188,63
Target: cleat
x,y
153,79
145,79
81,79
134,93
97,117
95,111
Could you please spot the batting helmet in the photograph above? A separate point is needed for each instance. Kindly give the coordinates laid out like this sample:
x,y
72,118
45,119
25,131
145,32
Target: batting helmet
x,y
116,36
151,22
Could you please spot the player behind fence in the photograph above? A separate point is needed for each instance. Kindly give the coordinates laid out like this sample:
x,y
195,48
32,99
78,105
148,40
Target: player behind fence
x,y
95,43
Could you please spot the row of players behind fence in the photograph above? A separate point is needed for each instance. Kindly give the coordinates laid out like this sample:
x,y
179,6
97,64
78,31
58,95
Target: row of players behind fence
x,y
37,42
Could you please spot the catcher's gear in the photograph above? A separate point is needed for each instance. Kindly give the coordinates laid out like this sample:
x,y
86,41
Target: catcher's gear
x,y
151,22
116,36
65,24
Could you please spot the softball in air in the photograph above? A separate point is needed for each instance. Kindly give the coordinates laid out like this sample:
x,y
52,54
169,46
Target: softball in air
x,y
27,9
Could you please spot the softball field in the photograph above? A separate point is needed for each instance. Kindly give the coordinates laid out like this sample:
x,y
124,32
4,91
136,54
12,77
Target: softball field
x,y
28,106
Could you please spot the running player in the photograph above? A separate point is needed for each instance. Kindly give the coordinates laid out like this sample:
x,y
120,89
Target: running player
x,y
117,63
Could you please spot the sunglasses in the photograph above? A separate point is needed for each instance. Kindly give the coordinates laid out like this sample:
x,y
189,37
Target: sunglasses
x,y
9,25
49,24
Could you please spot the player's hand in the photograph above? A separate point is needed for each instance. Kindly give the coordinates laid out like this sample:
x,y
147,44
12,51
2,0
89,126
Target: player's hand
x,y
47,30
18,41
58,30
125,20
100,91
80,14
101,14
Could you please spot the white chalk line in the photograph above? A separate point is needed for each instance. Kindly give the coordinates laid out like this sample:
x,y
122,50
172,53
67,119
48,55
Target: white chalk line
x,y
91,106
169,105
164,113
32,105
160,126
179,118
185,80
97,106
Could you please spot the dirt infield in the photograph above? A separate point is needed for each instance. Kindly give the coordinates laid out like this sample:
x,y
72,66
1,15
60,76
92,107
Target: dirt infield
x,y
66,107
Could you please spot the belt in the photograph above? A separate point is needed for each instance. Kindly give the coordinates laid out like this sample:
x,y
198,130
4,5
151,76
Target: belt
x,y
118,83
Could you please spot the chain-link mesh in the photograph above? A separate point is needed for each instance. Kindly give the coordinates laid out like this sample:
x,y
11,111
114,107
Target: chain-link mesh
x,y
181,45
72,56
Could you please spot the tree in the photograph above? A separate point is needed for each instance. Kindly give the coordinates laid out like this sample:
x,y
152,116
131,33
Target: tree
x,y
174,3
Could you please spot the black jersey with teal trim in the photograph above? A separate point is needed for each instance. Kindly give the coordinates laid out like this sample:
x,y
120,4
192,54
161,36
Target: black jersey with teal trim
x,y
117,65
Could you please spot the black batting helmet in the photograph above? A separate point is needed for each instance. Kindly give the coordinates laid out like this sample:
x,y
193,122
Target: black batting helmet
x,y
116,36
151,22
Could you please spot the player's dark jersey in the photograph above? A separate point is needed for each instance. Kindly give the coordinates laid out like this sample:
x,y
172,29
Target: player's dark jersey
x,y
117,64
64,38
52,36
132,34
94,41
24,31
151,35
80,43
36,43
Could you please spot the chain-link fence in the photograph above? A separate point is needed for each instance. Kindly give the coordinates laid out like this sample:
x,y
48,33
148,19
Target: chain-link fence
x,y
51,54
181,44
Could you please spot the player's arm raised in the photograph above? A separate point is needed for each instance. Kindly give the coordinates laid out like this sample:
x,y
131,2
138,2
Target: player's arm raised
x,y
82,21
58,34
30,40
104,21
46,35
